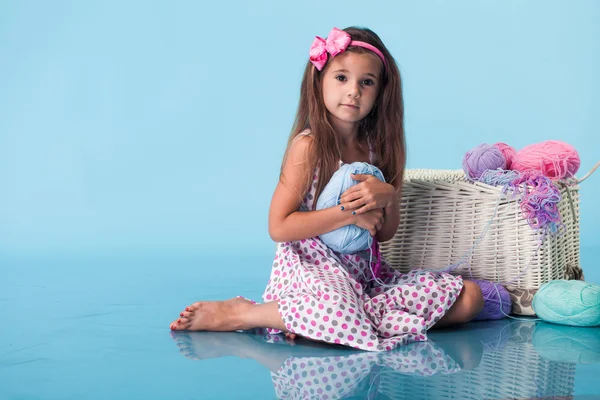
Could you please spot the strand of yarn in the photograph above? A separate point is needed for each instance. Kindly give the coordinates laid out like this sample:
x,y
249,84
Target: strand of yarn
x,y
538,200
535,253
538,197
373,244
375,267
498,177
496,301
465,257
499,306
512,179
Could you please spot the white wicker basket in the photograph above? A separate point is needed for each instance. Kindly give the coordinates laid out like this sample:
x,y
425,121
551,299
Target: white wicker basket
x,y
443,214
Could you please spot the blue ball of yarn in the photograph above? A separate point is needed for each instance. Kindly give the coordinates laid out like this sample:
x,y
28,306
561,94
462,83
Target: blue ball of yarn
x,y
496,301
349,239
564,302
482,158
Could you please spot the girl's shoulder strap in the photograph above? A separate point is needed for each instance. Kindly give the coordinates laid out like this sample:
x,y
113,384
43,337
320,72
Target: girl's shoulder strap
x,y
305,132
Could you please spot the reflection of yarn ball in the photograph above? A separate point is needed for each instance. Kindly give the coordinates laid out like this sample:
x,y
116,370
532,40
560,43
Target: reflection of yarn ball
x,y
482,158
565,302
496,301
350,238
507,151
492,335
567,344
553,158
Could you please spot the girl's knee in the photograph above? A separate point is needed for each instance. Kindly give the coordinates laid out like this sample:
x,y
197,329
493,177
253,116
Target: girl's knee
x,y
472,300
466,307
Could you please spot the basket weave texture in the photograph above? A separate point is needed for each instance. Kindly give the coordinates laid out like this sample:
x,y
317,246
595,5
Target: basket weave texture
x,y
443,216
515,371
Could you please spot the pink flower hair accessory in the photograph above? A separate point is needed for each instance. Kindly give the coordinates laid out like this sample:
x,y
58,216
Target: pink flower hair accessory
x,y
336,43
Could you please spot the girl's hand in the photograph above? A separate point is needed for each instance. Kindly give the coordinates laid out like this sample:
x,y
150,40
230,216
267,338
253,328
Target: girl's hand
x,y
370,220
369,194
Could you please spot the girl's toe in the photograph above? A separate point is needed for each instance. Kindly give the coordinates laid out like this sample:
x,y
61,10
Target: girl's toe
x,y
184,323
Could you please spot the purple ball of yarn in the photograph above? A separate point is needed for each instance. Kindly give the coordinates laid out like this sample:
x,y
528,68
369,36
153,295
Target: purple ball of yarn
x,y
494,306
482,158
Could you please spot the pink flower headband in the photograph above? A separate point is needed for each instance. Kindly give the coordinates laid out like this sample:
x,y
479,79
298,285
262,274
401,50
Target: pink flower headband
x,y
336,42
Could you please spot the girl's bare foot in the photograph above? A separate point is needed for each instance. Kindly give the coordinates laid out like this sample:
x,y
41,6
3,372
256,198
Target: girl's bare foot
x,y
220,316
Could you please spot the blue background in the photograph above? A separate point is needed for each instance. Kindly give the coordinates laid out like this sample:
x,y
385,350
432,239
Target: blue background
x,y
157,128
140,143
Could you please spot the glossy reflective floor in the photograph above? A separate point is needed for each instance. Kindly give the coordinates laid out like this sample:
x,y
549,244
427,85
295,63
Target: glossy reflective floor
x,y
98,329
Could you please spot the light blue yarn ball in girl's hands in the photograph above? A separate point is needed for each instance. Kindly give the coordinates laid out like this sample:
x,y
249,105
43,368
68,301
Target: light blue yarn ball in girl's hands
x,y
575,303
348,239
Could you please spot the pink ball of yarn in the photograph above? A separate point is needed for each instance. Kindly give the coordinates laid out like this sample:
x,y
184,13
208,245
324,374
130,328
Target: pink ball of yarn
x,y
507,151
553,158
482,158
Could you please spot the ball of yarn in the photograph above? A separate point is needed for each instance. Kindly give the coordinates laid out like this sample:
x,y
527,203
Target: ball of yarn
x,y
350,238
507,151
480,159
553,158
567,344
564,302
496,301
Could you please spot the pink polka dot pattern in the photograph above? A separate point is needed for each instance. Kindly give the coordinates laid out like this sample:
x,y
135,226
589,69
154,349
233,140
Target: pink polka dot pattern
x,y
340,377
327,296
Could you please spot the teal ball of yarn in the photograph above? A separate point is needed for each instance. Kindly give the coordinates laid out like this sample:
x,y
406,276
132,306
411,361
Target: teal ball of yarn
x,y
575,303
349,239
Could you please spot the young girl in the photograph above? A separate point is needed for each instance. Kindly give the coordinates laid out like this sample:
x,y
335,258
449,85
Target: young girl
x,y
351,109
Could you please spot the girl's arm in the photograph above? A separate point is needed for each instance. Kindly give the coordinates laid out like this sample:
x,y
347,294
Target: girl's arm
x,y
286,223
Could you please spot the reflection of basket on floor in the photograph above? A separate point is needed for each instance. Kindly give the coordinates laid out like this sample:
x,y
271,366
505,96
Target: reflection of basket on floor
x,y
442,216
567,343
515,370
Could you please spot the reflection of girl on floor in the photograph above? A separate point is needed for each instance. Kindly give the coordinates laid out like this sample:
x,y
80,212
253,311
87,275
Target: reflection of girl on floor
x,y
308,369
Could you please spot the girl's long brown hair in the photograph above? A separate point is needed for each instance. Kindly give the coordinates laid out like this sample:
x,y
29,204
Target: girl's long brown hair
x,y
384,127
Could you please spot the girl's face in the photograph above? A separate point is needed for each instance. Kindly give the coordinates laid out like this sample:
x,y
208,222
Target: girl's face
x,y
350,86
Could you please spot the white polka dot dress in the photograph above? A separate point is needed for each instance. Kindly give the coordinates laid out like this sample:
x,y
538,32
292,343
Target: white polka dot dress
x,y
326,296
